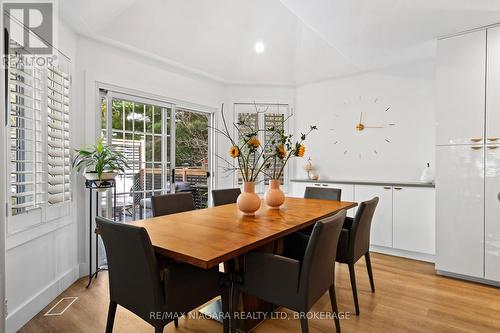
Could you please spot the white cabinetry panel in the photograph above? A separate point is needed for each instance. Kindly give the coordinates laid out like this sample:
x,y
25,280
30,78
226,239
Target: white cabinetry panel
x,y
381,230
460,213
492,213
493,87
413,219
460,75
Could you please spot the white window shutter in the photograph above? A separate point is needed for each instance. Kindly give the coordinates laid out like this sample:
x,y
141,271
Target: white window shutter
x,y
27,167
58,145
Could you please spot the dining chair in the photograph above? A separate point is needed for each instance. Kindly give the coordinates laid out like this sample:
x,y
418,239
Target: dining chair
x,y
166,204
354,243
324,193
225,196
136,283
296,283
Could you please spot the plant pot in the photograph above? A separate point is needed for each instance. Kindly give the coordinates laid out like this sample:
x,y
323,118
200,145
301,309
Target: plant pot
x,y
109,175
274,196
90,175
248,201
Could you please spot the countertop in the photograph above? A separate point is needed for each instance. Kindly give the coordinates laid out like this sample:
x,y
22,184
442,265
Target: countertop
x,y
364,182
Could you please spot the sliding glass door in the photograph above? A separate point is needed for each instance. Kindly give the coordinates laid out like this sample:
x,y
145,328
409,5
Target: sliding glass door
x,y
167,149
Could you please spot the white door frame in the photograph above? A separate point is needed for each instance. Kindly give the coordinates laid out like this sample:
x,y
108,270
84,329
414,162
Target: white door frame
x,y
172,104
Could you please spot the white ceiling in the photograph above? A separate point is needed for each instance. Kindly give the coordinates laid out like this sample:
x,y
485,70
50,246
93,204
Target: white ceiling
x,y
305,40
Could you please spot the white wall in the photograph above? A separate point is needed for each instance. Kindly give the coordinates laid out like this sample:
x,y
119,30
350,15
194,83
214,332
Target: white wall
x,y
41,262
335,106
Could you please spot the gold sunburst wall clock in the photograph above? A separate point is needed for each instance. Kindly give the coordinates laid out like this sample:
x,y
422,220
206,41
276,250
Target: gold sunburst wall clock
x,y
363,127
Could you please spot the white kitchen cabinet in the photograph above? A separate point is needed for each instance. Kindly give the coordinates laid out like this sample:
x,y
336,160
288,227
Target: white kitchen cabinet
x,y
381,230
414,219
347,191
492,213
460,210
460,76
493,87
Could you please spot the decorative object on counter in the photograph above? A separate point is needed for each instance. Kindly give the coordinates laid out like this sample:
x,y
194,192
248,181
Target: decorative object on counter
x,y
99,163
279,152
427,175
310,169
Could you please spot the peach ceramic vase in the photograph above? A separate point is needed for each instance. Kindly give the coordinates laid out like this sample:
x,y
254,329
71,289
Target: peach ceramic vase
x,y
248,201
274,196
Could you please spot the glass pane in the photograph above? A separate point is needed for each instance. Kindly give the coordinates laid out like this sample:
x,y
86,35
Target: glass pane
x,y
117,115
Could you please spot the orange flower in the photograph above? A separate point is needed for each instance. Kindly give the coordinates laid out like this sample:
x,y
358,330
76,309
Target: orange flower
x,y
234,152
281,151
254,142
300,151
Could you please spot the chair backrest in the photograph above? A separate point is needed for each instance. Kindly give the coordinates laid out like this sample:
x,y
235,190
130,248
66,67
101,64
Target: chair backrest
x,y
225,196
318,266
359,236
324,193
134,277
166,204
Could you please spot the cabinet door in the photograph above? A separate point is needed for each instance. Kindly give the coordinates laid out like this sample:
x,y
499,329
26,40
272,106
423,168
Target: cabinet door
x,y
460,76
493,87
381,231
347,193
492,213
298,189
414,219
460,210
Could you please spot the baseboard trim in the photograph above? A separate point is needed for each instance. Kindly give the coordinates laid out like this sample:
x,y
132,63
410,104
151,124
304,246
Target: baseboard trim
x,y
403,253
468,278
18,317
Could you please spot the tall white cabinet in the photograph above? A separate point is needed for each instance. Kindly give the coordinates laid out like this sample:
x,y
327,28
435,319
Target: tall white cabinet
x,y
468,155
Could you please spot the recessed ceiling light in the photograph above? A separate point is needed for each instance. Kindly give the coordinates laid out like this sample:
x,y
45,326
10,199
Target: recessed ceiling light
x,y
259,47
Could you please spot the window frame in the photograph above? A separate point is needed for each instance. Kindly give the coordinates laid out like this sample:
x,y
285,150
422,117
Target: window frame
x,y
260,186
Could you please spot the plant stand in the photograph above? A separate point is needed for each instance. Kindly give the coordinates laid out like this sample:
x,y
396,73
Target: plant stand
x,y
94,185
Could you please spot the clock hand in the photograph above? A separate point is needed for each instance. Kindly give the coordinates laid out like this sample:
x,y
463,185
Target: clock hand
x,y
373,126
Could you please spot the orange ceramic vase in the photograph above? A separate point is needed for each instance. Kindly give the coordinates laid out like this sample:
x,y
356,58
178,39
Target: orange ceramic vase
x,y
248,201
274,196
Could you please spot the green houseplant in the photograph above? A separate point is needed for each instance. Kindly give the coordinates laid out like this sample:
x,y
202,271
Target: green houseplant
x,y
99,161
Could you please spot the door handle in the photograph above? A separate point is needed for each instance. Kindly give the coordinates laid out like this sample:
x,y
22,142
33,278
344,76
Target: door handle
x,y
492,147
476,147
387,187
476,139
324,185
398,188
493,139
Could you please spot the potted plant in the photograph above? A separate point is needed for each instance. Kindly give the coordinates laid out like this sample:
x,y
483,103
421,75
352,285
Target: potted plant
x,y
281,150
99,162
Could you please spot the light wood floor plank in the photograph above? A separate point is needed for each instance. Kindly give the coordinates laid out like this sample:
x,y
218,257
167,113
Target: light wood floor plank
x,y
410,297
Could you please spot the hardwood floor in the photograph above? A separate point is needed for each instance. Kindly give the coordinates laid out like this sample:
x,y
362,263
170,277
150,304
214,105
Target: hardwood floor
x,y
409,298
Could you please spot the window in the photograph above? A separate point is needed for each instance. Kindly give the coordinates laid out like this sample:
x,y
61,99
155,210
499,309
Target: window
x,y
39,141
259,117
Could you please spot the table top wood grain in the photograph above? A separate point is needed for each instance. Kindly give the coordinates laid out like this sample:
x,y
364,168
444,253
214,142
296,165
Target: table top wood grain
x,y
210,236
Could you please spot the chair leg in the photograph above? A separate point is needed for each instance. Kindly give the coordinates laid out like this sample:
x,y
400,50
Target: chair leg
x,y
370,272
354,289
111,317
304,325
333,300
225,308
234,304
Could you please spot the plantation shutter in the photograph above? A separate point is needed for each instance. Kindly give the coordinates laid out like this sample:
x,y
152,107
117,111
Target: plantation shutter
x,y
58,145
27,163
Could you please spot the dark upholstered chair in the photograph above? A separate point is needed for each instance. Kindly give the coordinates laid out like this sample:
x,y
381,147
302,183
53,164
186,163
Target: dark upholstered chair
x,y
225,196
135,281
354,243
324,193
166,204
296,283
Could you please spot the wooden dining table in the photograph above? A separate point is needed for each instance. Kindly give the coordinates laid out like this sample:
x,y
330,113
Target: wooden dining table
x,y
208,237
